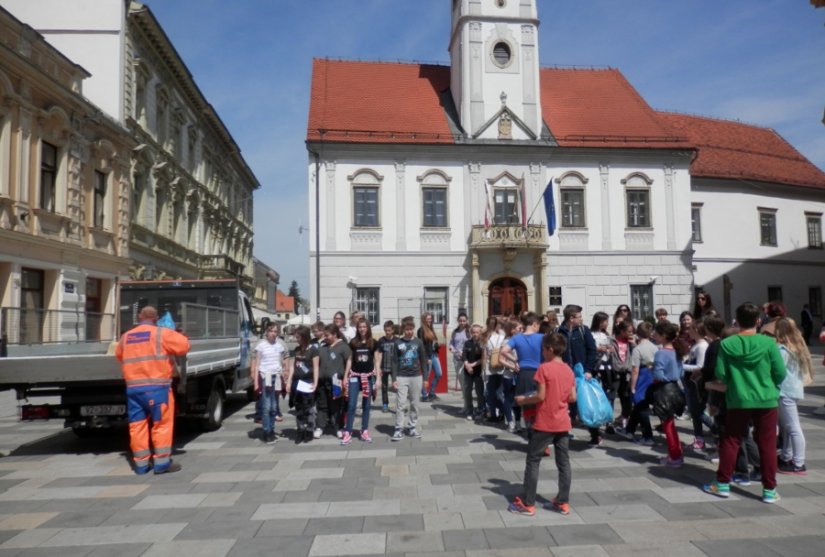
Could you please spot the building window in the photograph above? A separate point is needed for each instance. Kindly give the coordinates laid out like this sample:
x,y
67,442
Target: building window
x,y
696,222
48,176
572,208
774,293
435,302
505,203
767,227
99,199
814,230
502,54
637,187
435,207
367,300
641,301
815,300
554,299
638,208
366,206
161,112
366,186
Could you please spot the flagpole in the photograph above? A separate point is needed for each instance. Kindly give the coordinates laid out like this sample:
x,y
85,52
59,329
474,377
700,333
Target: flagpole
x,y
541,198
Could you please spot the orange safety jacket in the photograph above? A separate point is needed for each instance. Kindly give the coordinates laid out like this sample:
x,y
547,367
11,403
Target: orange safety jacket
x,y
145,354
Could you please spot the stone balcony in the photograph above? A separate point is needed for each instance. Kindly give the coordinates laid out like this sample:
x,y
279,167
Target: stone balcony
x,y
509,236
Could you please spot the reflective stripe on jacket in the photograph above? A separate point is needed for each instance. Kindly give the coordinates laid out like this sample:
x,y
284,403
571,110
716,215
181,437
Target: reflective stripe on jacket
x,y
144,353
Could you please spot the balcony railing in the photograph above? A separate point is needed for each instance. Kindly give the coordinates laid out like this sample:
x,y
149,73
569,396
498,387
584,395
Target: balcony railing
x,y
41,326
220,266
534,236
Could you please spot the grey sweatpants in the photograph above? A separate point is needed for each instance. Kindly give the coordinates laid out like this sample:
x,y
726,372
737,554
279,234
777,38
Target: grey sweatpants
x,y
406,399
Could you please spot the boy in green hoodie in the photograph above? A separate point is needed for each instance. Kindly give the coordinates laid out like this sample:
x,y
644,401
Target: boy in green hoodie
x,y
751,367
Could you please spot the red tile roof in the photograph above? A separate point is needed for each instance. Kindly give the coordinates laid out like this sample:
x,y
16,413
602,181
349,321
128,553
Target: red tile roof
x,y
734,150
378,102
284,302
599,108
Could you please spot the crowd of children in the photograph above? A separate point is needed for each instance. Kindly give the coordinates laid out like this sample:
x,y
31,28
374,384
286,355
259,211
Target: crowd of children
x,y
738,384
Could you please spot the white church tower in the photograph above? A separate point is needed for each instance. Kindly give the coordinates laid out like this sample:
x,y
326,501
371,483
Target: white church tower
x,y
494,56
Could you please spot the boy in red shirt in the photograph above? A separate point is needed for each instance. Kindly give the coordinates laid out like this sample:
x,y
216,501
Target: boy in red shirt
x,y
555,389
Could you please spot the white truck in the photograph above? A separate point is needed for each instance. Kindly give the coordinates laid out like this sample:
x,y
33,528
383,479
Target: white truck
x,y
72,356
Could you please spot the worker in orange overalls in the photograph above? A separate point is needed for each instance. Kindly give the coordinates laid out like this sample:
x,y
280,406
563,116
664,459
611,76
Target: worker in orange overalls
x,y
145,353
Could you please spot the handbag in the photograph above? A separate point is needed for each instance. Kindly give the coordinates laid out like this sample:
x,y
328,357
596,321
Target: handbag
x,y
668,400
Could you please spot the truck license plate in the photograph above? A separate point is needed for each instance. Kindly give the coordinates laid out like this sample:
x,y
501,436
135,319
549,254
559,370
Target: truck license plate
x,y
103,410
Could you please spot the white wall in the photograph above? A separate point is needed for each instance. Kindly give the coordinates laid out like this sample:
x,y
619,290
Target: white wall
x,y
88,32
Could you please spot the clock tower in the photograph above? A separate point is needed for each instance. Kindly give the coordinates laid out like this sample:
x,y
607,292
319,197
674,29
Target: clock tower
x,y
494,58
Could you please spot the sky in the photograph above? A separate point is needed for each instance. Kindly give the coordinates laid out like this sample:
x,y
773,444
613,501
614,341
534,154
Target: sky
x,y
758,62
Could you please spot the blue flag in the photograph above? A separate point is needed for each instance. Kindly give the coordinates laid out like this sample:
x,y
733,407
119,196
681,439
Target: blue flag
x,y
550,208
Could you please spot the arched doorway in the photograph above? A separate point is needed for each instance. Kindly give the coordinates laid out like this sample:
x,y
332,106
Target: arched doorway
x,y
508,296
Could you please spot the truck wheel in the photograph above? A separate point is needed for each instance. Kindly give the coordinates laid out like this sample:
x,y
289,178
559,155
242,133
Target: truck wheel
x,y
214,409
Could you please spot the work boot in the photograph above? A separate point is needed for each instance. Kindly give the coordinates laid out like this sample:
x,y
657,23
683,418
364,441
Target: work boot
x,y
171,469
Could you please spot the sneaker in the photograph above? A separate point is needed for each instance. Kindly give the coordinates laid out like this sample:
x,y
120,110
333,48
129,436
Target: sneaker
x,y
769,496
317,433
511,427
716,488
346,438
561,508
434,398
279,418
622,432
714,457
645,441
339,434
790,468
698,444
756,476
365,436
741,479
397,435
415,433
547,451
269,438
469,416
385,408
518,507
672,462
595,441
171,469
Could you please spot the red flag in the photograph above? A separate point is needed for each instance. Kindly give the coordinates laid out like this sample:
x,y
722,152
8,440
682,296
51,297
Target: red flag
x,y
488,213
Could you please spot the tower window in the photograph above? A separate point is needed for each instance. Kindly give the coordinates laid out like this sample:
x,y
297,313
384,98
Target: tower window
x,y
502,53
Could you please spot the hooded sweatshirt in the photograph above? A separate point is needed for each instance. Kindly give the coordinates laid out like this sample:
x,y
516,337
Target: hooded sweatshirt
x,y
752,368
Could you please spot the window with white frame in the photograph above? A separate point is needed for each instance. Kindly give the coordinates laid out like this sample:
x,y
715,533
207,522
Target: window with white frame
x,y
696,222
367,300
814,226
637,195
48,176
434,190
571,193
435,302
505,206
99,199
366,187
767,227
161,114
641,301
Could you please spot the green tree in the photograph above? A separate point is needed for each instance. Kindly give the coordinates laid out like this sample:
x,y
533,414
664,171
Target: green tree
x,y
295,292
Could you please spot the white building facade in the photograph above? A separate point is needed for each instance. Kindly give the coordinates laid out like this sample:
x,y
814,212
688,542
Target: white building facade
x,y
407,184
191,204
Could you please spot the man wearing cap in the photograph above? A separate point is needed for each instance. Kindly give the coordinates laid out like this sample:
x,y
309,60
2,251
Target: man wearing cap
x,y
145,354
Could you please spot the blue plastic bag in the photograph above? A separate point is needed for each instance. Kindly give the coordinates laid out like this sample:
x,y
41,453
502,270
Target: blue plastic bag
x,y
167,321
594,407
643,381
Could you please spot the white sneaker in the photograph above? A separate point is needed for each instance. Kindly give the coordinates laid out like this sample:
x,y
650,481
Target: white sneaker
x,y
511,427
317,433
339,434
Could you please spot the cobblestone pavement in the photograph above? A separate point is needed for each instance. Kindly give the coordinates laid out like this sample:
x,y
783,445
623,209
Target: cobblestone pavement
x,y
445,494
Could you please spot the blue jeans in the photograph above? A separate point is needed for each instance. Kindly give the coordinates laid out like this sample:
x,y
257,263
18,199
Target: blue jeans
x,y
269,407
435,368
495,395
354,394
508,391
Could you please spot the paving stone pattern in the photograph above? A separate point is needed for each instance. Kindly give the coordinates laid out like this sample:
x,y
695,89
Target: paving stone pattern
x,y
445,494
